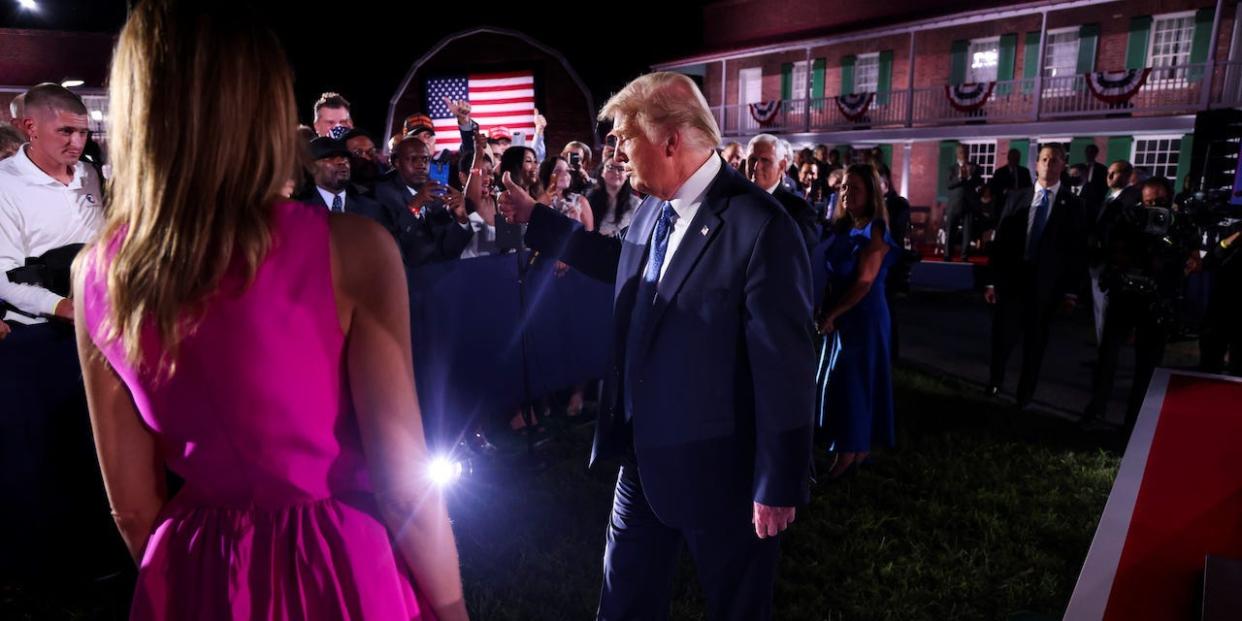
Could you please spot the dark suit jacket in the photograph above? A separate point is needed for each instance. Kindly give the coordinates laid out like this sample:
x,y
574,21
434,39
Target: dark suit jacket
x,y
429,239
1099,179
722,379
1003,181
1060,262
355,202
801,212
963,191
1101,221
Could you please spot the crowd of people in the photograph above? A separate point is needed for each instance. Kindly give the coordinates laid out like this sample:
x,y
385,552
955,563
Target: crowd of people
x,y
781,266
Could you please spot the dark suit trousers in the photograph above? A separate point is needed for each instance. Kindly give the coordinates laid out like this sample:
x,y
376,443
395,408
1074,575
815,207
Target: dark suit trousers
x,y
1019,314
1127,316
736,569
952,218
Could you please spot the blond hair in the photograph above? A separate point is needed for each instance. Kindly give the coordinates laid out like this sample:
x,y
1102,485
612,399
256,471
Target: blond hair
x,y
663,102
203,138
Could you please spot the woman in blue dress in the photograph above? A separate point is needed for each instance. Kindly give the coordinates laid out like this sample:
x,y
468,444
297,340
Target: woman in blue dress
x,y
854,381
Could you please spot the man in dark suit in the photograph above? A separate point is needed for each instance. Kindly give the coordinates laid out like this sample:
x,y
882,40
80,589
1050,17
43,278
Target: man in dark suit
x,y
1010,177
765,162
965,183
332,189
427,218
1037,261
708,403
1095,182
1102,215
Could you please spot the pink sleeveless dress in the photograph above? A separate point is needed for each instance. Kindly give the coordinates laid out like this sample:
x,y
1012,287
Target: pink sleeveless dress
x,y
277,519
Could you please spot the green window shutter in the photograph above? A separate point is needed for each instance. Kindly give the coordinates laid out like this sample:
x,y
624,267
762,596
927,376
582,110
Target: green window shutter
x,y
818,67
1077,150
1183,161
1030,61
1136,46
1088,40
847,74
1119,149
1201,42
787,81
884,82
957,63
887,150
1023,146
948,155
1005,60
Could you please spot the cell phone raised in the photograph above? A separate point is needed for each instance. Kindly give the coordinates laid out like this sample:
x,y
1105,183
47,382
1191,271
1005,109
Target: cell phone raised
x,y
439,172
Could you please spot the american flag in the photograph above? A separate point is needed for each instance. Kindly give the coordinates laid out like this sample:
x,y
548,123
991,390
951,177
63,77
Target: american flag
x,y
496,99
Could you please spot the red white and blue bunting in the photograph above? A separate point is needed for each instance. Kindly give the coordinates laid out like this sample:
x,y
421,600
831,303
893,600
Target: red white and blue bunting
x,y
1117,87
855,105
764,112
970,96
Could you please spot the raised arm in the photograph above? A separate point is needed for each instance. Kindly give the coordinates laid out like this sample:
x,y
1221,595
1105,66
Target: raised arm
x,y
560,237
129,458
373,305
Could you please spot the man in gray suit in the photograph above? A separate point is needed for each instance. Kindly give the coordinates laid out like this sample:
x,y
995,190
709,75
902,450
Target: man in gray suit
x,y
963,201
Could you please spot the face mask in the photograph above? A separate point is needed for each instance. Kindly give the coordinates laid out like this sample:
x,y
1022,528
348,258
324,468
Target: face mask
x,y
338,131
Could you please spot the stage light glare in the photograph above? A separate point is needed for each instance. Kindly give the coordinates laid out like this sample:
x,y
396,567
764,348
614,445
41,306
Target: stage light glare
x,y
29,5
444,471
72,83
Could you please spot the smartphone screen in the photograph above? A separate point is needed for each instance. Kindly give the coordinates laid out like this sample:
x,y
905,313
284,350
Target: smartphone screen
x,y
439,173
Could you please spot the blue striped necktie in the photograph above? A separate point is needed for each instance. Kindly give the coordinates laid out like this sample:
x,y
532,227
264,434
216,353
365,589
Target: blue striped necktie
x,y
1037,227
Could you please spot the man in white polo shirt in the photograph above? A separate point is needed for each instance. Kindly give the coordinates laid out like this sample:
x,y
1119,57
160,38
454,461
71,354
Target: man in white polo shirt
x,y
48,199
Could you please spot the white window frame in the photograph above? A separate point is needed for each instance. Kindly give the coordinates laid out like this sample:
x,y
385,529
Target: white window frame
x,y
1174,153
971,75
1168,78
872,60
1060,85
973,152
747,77
799,80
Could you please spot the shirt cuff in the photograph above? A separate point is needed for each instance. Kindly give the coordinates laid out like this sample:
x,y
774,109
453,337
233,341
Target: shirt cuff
x,y
464,225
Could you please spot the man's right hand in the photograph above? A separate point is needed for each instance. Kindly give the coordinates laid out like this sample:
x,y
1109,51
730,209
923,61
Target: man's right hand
x,y
989,295
541,123
4,330
515,203
64,309
429,193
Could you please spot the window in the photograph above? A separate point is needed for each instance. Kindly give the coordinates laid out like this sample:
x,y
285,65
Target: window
x,y
749,86
96,115
1169,48
981,60
1061,53
867,73
798,89
983,155
1158,155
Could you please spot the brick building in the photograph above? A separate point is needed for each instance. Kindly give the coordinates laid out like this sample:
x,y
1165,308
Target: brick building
x,y
796,68
28,57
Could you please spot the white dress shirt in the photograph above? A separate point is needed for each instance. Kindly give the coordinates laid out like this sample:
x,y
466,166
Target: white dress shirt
x,y
38,214
686,203
328,197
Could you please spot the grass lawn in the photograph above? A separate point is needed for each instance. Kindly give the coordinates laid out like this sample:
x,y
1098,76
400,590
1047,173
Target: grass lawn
x,y
980,513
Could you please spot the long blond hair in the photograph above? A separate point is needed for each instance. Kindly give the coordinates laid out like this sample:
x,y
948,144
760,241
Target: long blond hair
x,y
202,134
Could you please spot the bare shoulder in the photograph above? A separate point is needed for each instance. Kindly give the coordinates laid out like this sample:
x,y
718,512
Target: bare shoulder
x,y
363,253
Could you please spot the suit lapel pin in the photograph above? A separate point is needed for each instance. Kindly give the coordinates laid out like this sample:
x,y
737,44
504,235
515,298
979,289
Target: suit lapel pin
x,y
703,231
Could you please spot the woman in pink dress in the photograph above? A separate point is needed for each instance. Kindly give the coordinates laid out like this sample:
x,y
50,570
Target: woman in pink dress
x,y
258,348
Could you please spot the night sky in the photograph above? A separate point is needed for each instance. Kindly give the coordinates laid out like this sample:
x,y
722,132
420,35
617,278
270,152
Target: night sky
x,y
363,49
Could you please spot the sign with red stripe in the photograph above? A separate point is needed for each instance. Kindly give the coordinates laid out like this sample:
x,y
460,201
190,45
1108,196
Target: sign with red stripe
x,y
496,100
1177,498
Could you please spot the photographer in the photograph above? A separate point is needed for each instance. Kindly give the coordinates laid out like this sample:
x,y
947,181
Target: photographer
x,y
1222,324
1146,251
426,216
578,155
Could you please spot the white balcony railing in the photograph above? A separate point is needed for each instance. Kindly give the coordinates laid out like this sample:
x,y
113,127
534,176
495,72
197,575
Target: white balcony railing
x,y
1167,90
